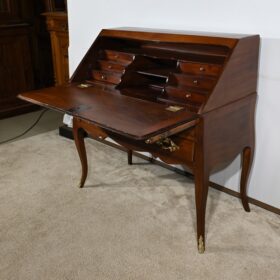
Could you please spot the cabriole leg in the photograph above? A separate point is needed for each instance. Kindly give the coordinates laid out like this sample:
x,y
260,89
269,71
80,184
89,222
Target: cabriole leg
x,y
80,145
247,158
201,192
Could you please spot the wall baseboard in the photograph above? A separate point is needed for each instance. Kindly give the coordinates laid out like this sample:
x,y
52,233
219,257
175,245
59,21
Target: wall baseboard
x,y
67,132
251,200
189,175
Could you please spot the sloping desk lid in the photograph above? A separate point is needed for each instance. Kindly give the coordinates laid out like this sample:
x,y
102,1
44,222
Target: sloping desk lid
x,y
128,116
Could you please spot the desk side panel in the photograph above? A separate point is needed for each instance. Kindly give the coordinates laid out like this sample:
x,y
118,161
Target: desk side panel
x,y
228,130
239,78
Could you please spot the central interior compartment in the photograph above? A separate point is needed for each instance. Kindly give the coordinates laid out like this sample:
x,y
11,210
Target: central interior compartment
x,y
163,72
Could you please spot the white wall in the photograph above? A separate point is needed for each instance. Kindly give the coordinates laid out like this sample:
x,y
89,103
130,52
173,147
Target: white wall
x,y
87,18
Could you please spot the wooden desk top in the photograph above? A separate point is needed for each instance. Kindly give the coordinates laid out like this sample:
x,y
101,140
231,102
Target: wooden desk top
x,y
109,109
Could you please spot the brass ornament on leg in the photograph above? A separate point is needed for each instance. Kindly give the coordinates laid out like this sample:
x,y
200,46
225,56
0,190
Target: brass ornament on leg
x,y
201,247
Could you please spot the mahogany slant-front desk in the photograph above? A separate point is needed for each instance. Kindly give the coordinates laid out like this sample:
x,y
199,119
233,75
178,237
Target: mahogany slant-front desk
x,y
186,98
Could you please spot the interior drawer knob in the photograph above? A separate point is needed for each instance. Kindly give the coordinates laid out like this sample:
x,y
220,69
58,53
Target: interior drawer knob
x,y
116,56
201,68
195,82
188,95
103,77
109,66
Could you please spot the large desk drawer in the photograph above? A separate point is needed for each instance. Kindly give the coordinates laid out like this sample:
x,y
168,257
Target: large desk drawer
x,y
185,141
185,152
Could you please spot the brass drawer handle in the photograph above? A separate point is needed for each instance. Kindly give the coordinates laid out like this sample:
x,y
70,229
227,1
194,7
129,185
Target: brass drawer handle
x,y
167,144
103,77
188,95
195,82
202,69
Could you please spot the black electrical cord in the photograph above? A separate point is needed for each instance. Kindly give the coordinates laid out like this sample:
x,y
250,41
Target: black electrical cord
x,y
27,130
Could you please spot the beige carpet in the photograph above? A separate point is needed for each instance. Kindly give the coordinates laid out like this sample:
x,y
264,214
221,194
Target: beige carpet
x,y
129,222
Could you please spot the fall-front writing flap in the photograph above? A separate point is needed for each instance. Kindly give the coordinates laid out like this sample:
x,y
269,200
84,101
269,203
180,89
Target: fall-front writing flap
x,y
109,109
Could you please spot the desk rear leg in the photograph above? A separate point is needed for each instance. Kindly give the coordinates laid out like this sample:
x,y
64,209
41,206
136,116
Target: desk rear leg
x,y
247,158
129,157
79,135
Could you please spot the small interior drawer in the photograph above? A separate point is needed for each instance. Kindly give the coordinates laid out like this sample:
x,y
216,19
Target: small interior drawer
x,y
197,82
111,66
105,76
185,95
119,56
200,68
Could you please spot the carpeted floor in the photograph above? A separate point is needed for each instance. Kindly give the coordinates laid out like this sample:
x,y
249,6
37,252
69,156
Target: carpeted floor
x,y
129,222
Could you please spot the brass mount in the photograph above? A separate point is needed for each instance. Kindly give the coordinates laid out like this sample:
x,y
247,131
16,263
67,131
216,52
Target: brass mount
x,y
84,85
167,144
201,247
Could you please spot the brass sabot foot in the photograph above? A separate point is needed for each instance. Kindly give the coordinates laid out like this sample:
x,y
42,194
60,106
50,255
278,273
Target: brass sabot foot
x,y
201,247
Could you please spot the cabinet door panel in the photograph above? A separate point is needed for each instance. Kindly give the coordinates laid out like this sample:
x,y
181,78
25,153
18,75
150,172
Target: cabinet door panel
x,y
16,73
8,11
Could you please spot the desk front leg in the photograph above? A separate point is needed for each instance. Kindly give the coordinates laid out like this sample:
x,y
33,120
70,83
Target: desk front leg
x,y
247,158
201,178
79,135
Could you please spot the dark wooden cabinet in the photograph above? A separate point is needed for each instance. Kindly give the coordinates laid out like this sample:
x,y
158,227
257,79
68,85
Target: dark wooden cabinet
x,y
57,24
25,53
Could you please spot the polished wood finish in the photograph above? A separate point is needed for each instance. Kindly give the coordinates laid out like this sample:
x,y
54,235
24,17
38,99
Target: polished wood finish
x,y
137,119
185,98
57,24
